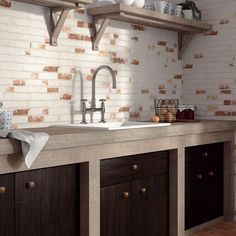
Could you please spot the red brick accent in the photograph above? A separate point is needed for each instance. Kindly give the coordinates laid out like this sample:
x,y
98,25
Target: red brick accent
x,y
198,55
135,62
35,119
21,112
200,91
18,82
138,27
168,49
51,68
79,50
118,60
222,113
224,21
161,43
227,102
10,89
162,91
145,91
188,66
107,53
134,39
52,90
225,91
66,96
65,76
124,109
178,77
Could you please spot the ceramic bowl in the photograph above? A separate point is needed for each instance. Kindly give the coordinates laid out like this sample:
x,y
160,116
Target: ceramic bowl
x,y
139,3
126,2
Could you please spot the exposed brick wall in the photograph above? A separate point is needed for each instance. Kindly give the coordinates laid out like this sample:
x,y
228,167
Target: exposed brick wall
x,y
36,77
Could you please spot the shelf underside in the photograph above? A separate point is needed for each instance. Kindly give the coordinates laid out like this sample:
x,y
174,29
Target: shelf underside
x,y
56,3
150,18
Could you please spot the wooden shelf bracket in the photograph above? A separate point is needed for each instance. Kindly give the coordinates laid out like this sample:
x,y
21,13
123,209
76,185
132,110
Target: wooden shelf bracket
x,y
97,34
183,41
56,23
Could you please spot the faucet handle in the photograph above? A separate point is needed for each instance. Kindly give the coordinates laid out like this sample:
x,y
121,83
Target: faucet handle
x,y
102,100
84,100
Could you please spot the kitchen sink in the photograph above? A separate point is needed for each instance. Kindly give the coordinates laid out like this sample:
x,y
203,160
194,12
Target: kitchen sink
x,y
115,125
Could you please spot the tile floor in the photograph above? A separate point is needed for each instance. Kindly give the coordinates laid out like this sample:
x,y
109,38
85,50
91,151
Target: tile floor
x,y
220,229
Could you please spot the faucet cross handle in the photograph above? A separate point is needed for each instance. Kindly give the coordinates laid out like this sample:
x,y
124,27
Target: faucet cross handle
x,y
102,100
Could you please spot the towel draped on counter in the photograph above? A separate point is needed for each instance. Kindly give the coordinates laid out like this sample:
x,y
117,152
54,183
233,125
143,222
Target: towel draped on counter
x,y
31,143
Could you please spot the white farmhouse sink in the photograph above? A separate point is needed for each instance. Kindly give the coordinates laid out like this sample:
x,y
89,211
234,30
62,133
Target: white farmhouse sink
x,y
115,125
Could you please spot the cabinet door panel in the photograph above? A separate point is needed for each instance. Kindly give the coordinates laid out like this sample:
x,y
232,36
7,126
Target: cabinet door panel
x,y
7,205
51,207
115,210
195,202
150,206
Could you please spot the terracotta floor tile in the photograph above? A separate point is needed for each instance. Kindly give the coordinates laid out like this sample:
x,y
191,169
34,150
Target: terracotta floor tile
x,y
220,229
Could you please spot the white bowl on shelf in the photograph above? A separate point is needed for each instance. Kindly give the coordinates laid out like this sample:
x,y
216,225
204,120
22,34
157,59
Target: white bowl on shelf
x,y
139,3
126,2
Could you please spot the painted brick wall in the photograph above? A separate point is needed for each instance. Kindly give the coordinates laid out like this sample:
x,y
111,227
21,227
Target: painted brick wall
x,y
36,79
210,65
210,77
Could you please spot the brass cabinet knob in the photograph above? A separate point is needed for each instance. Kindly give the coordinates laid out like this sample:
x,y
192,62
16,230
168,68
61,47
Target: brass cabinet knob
x,y
2,190
211,173
134,167
199,176
30,185
125,195
143,190
205,154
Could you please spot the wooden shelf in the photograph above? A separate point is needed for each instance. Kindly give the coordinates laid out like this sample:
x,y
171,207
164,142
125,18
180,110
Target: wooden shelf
x,y
57,6
132,14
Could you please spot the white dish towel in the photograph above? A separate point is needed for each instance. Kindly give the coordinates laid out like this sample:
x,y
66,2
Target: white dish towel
x,y
31,143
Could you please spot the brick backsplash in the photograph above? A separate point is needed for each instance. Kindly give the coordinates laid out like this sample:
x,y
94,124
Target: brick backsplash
x,y
36,77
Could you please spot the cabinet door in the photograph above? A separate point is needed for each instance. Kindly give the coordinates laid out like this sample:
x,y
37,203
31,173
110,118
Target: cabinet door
x,y
47,202
7,205
195,202
116,209
150,206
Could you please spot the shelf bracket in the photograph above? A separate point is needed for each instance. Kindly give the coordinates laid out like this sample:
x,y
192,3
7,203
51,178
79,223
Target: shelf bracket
x,y
97,34
183,41
57,23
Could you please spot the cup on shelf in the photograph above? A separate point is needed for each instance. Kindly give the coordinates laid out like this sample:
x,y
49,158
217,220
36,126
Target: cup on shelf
x,y
149,6
5,119
161,6
178,10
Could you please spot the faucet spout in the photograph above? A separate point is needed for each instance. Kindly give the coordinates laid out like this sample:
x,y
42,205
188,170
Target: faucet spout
x,y
93,102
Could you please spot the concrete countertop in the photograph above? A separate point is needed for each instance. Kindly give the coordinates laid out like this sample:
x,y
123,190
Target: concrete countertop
x,y
61,138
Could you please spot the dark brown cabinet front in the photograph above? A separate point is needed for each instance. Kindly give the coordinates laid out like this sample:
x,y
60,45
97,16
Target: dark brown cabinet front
x,y
44,202
134,201
203,184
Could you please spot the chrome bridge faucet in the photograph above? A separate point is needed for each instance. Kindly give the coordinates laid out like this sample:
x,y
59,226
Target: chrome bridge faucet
x,y
93,107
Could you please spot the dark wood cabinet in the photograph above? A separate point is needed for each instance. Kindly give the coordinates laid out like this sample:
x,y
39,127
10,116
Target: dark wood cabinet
x,y
43,202
134,200
203,184
7,205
